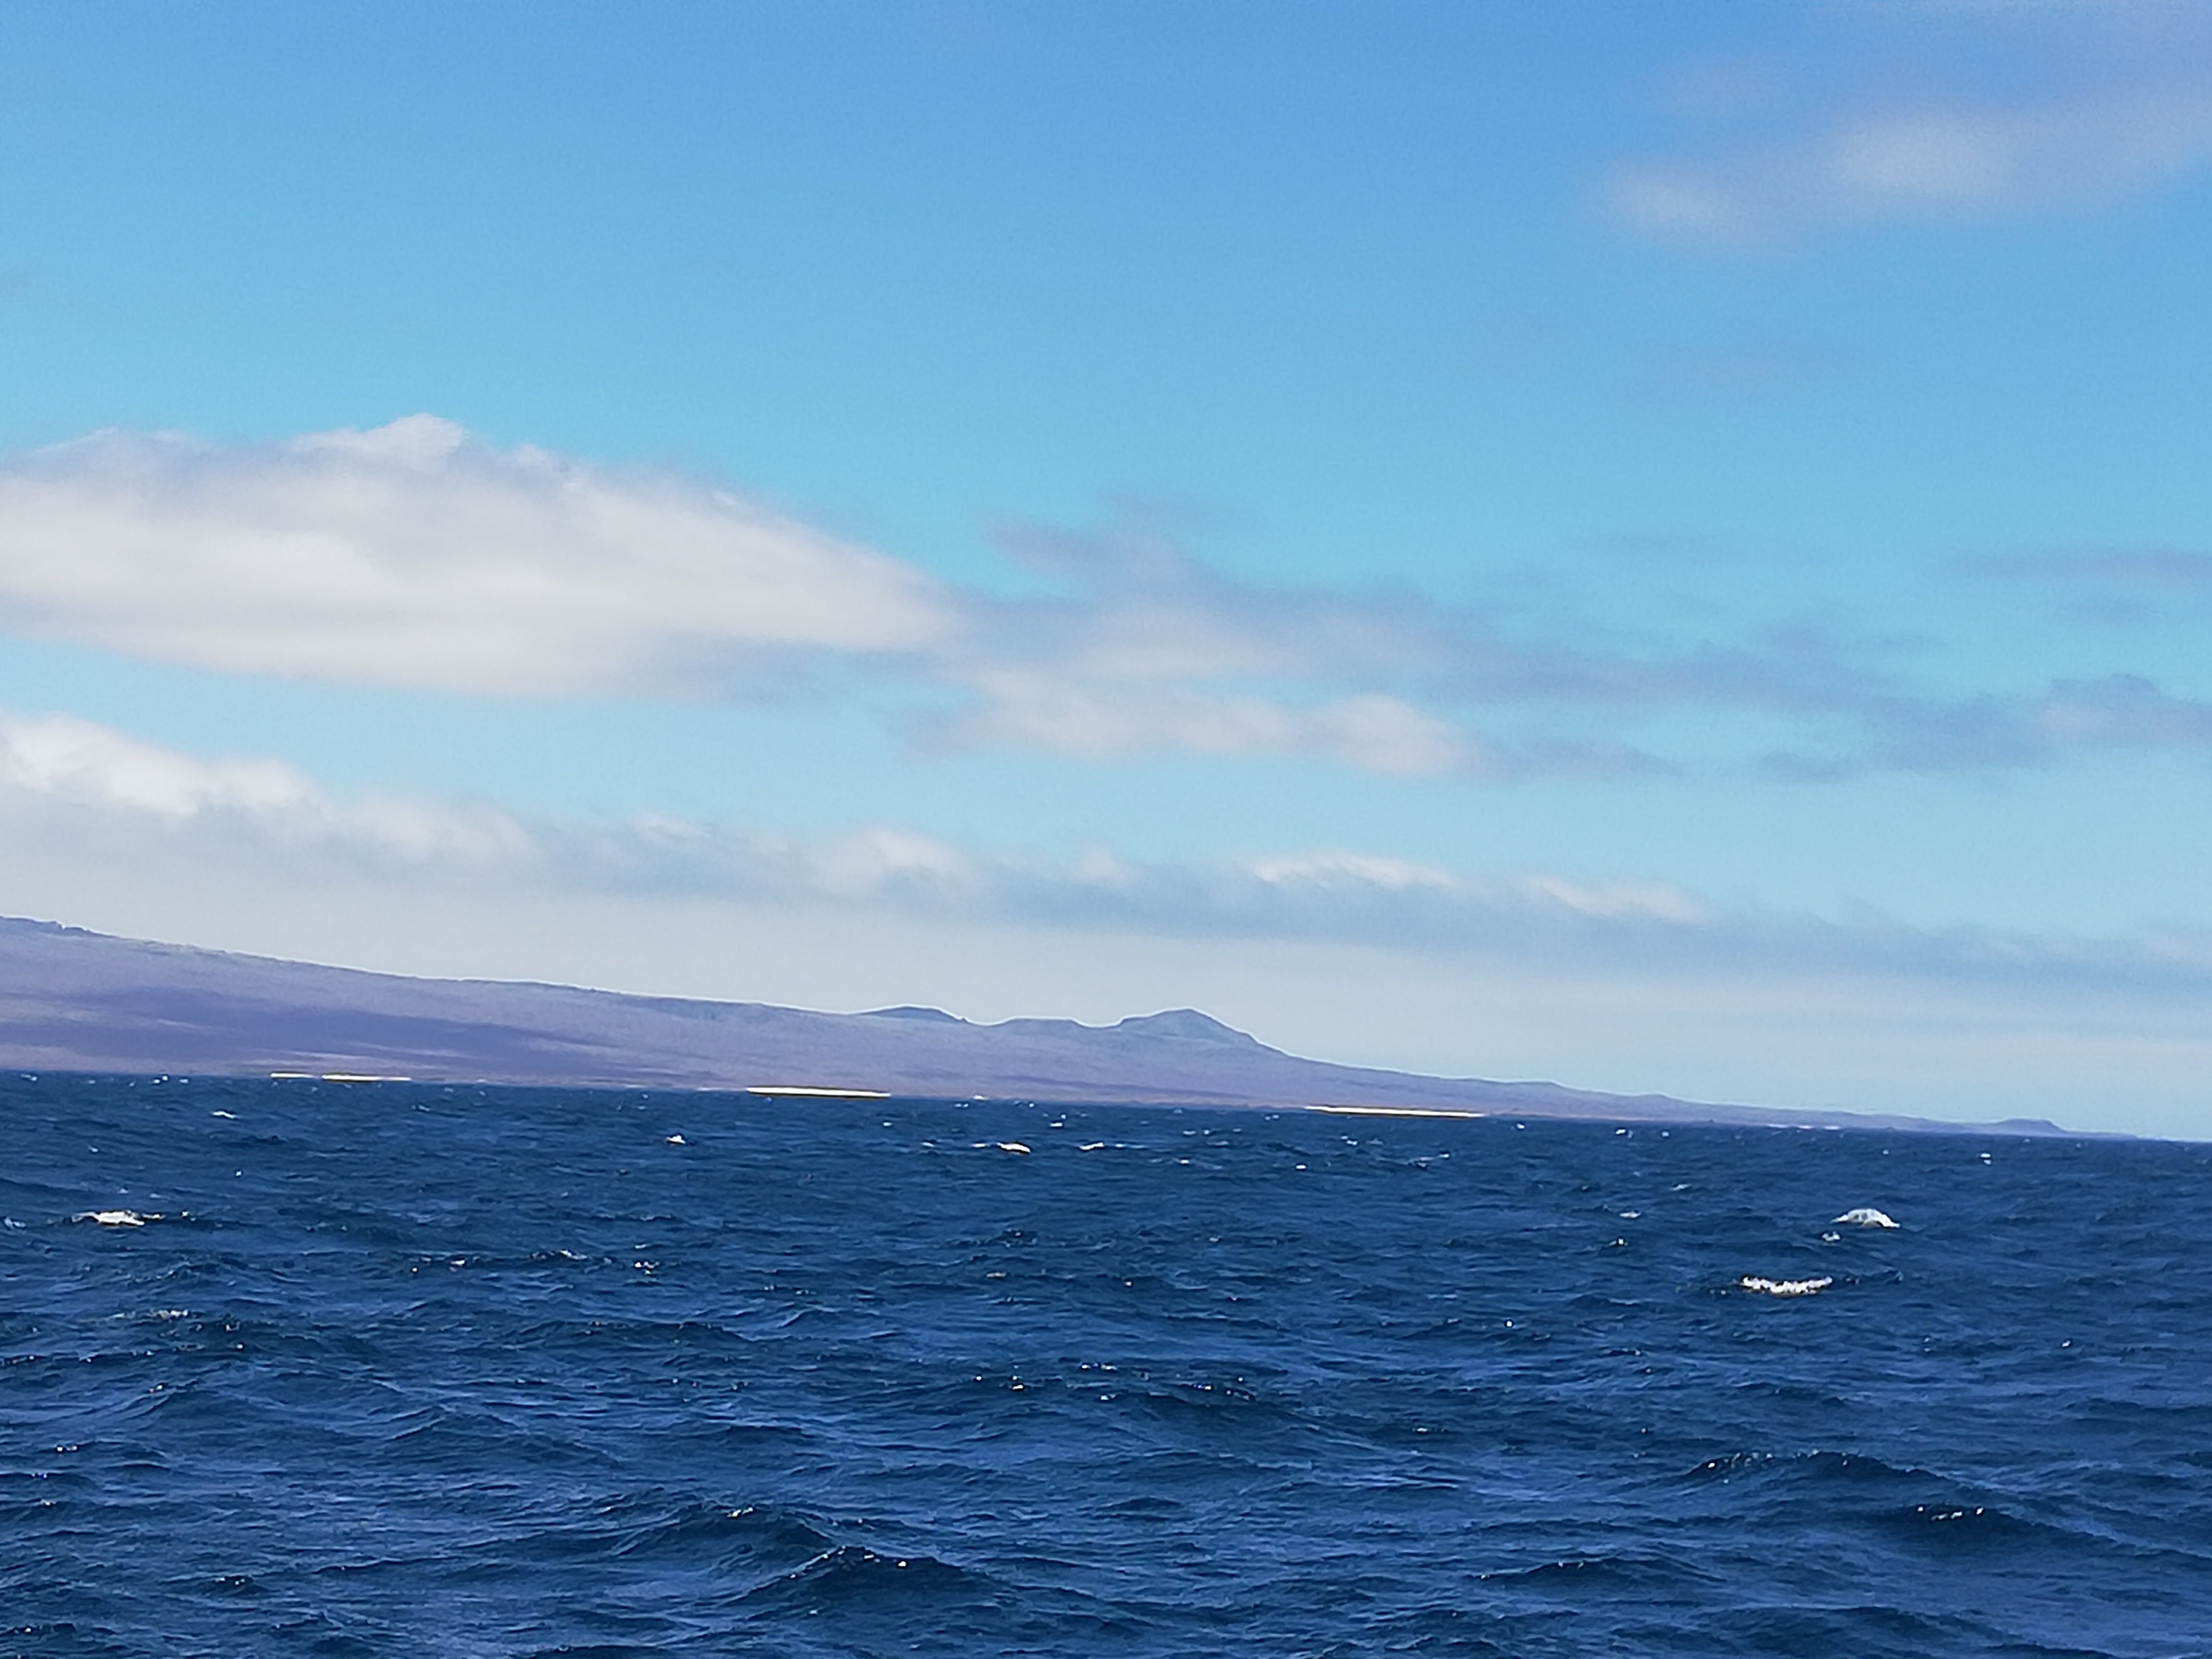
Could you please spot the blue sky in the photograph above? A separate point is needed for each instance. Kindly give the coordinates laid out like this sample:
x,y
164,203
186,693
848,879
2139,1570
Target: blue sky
x,y
1663,547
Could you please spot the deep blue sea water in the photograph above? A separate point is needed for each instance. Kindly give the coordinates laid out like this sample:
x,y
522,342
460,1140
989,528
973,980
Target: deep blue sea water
x,y
412,1371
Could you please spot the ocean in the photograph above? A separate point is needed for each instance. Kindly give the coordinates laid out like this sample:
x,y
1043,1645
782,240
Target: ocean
x,y
305,1368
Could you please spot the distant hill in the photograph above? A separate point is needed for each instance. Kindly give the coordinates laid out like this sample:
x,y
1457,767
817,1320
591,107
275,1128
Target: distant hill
x,y
78,1001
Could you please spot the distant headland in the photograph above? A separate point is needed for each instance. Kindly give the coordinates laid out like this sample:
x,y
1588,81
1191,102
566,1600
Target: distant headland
x,y
72,1000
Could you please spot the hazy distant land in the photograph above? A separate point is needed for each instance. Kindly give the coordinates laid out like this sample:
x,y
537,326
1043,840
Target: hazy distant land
x,y
77,1001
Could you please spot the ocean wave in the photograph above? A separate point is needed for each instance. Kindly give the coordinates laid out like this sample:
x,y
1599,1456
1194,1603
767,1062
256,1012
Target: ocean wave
x,y
1763,1286
847,1575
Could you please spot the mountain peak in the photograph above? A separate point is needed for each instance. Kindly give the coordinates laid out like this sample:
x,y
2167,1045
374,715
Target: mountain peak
x,y
1187,1024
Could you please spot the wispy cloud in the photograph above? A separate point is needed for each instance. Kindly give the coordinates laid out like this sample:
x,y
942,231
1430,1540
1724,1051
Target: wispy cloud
x,y
1151,650
1152,653
1927,113
1928,162
2169,570
1631,926
2133,587
1990,732
1106,719
1353,871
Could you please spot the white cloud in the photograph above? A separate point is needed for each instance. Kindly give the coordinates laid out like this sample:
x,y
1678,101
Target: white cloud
x,y
64,762
870,860
411,554
77,761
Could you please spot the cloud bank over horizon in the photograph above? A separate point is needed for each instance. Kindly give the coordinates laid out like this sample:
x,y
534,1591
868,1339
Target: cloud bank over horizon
x,y
63,777
1629,983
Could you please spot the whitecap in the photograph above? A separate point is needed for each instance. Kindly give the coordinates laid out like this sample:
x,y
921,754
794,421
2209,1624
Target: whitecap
x,y
676,1140
1784,1287
1863,1215
115,1218
1014,1146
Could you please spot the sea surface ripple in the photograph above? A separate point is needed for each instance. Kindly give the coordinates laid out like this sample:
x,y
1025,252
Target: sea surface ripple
x,y
293,1367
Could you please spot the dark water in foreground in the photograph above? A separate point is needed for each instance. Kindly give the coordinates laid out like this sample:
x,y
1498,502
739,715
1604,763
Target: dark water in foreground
x,y
415,1372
